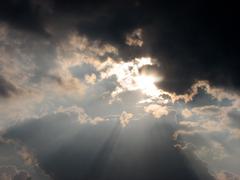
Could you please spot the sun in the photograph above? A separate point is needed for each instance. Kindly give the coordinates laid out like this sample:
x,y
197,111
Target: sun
x,y
131,78
147,84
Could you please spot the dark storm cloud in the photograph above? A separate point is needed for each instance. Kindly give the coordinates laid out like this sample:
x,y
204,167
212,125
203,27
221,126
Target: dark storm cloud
x,y
67,150
198,40
191,39
24,14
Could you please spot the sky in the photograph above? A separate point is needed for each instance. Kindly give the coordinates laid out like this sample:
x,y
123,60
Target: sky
x,y
113,90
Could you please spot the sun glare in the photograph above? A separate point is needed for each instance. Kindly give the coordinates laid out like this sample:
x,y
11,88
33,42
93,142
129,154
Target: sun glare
x,y
147,84
130,78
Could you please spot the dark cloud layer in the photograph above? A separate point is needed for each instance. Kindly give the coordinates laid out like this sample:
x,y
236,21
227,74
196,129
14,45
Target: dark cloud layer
x,y
107,151
191,39
23,14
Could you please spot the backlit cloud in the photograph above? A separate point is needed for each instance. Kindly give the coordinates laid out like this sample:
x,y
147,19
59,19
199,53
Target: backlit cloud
x,y
73,74
135,38
125,117
156,110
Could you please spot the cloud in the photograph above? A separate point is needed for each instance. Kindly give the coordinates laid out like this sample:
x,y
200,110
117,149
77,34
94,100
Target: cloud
x,y
44,44
186,113
125,117
27,156
234,117
23,15
156,110
94,151
18,162
188,43
76,49
64,84
90,79
82,116
3,31
97,120
7,89
176,48
216,151
130,78
224,175
34,70
134,38
11,172
20,107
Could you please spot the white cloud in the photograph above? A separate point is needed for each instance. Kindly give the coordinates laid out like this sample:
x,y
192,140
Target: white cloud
x,y
186,113
125,117
97,120
90,79
156,110
82,116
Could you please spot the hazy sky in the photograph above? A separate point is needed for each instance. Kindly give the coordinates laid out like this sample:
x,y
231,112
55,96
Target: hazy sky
x,y
98,90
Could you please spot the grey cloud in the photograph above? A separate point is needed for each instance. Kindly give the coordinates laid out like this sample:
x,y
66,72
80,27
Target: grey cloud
x,y
234,116
225,175
106,151
30,55
7,89
203,98
26,15
14,165
11,172
82,70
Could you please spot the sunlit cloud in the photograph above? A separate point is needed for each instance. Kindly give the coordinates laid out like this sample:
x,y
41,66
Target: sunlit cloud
x,y
81,115
125,117
11,172
27,156
186,113
156,110
130,78
135,38
225,175
90,79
